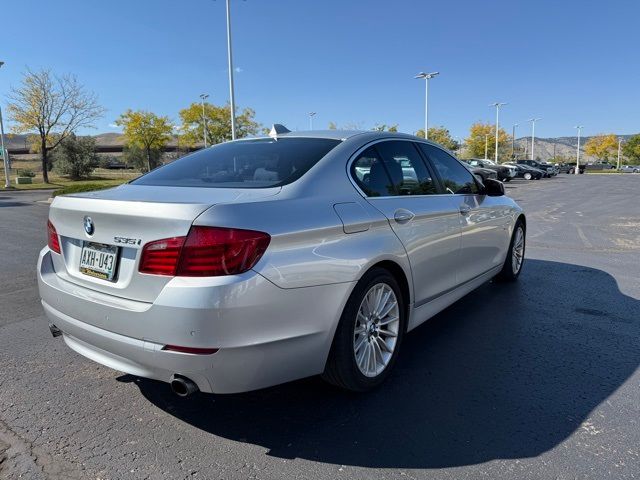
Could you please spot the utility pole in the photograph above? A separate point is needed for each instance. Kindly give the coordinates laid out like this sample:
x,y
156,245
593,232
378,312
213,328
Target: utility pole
x,y
427,77
5,153
486,145
533,135
232,101
619,147
204,96
311,115
577,171
497,105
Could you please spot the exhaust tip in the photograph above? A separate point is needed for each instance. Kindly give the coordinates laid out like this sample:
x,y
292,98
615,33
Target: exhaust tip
x,y
55,331
182,386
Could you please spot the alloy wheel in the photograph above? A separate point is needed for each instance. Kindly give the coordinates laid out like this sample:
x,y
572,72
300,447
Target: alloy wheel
x,y
517,254
376,330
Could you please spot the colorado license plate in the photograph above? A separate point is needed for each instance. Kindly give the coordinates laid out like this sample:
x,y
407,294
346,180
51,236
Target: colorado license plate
x,y
98,260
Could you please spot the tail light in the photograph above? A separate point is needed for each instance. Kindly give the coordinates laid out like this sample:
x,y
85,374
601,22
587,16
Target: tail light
x,y
205,252
54,240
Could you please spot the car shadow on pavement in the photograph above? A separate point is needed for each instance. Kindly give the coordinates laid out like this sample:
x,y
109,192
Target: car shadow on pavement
x,y
509,371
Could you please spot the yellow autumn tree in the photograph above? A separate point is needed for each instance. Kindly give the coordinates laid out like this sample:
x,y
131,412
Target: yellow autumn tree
x,y
440,135
475,143
603,146
146,131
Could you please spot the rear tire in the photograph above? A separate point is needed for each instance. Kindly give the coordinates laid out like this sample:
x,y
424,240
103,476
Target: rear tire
x,y
367,341
527,176
515,255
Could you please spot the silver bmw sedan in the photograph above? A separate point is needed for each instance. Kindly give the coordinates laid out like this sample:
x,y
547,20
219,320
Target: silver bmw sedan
x,y
261,261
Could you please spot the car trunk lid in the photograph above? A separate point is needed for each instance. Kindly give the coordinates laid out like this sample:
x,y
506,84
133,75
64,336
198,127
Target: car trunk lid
x,y
128,217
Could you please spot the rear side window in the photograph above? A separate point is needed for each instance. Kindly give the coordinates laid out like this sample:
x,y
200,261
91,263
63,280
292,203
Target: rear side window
x,y
406,168
259,163
456,179
390,169
371,175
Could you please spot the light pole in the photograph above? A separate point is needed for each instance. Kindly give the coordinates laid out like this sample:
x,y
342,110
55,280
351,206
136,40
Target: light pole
x,y
533,135
311,115
577,171
204,96
486,145
497,105
513,140
232,101
5,156
427,77
619,147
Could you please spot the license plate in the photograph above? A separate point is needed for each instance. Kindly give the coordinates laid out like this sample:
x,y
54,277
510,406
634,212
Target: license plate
x,y
98,260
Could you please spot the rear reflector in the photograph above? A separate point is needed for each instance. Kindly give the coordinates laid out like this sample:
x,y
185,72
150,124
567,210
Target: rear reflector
x,y
205,252
192,350
54,240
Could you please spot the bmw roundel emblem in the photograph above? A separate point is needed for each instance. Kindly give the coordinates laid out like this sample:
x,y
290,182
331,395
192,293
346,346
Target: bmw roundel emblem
x,y
88,225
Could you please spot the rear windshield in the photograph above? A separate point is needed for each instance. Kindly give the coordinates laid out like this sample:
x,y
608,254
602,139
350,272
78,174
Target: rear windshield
x,y
247,164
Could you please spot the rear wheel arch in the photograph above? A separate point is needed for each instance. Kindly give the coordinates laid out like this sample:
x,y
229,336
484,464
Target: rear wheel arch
x,y
399,274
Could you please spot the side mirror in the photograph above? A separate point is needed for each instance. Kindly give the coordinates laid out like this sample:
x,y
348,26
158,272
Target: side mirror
x,y
493,188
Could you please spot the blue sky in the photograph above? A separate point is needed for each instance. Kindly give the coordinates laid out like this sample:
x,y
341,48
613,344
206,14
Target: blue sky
x,y
566,61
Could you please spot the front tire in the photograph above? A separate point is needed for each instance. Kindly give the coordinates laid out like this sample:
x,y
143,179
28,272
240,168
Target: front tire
x,y
368,338
515,255
527,176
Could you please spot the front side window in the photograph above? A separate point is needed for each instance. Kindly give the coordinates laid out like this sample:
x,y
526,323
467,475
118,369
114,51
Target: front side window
x,y
258,163
456,179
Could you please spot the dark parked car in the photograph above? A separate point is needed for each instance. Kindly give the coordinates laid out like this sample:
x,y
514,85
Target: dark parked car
x,y
504,173
527,172
483,173
545,167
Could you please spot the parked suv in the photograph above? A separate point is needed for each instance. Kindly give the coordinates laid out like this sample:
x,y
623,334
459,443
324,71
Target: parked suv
x,y
545,167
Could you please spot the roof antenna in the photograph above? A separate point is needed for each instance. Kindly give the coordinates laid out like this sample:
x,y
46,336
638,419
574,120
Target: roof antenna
x,y
278,129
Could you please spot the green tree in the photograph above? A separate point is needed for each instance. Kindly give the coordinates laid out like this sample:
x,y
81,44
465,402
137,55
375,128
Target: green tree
x,y
218,122
146,131
383,127
475,143
54,107
76,157
139,158
631,150
440,135
603,146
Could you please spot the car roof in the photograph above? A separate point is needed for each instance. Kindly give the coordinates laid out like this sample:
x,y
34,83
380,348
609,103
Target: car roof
x,y
338,135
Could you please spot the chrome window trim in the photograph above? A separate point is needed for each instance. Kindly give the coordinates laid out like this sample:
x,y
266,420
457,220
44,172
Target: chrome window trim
x,y
357,153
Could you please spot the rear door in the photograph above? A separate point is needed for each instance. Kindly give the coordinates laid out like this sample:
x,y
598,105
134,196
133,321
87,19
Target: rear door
x,y
396,181
484,220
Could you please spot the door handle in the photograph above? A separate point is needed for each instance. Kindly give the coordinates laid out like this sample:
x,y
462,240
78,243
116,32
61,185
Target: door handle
x,y
464,209
403,216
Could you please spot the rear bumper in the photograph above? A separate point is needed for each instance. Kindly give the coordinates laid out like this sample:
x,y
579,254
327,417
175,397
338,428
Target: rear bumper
x,y
266,335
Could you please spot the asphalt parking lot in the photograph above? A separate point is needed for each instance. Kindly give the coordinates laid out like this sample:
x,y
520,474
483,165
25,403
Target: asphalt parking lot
x,y
537,379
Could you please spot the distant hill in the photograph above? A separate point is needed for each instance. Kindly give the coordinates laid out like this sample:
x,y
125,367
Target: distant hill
x,y
564,146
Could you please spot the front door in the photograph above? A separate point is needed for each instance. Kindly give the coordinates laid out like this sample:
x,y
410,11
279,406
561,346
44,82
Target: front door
x,y
397,182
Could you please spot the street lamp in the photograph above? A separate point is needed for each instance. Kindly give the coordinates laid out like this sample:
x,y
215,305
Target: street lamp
x,y
513,140
232,101
497,105
311,115
204,96
533,135
5,156
577,171
486,145
427,77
